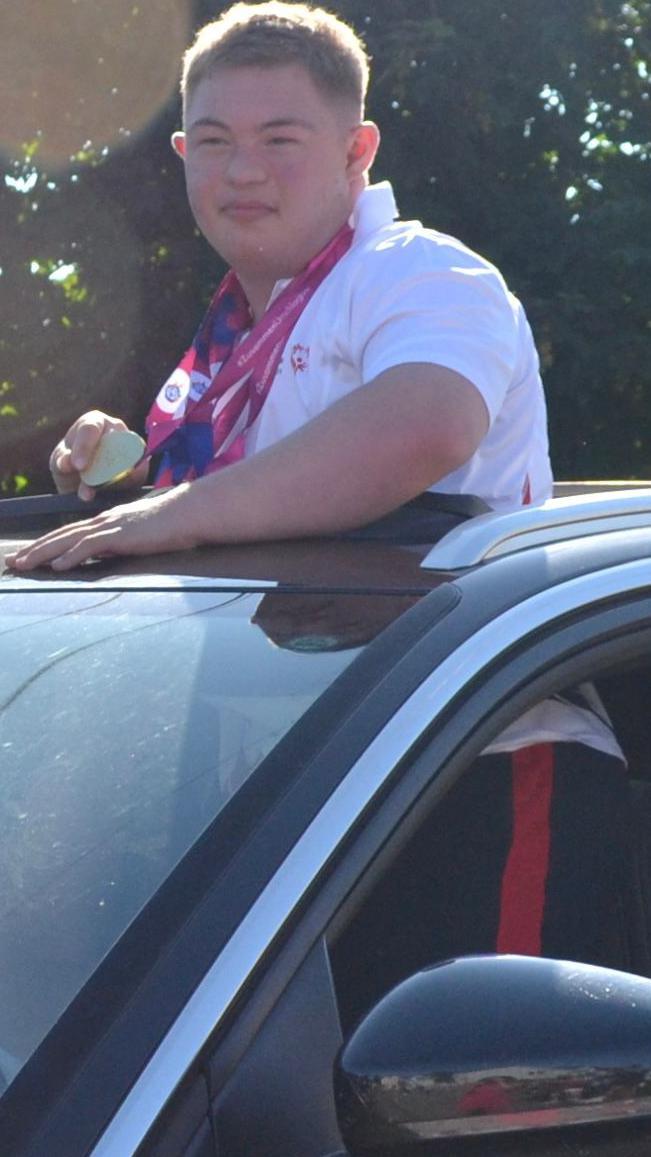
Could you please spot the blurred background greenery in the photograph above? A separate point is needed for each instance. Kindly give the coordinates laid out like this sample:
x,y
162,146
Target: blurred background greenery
x,y
522,127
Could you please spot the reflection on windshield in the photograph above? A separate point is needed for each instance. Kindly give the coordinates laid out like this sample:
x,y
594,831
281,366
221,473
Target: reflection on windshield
x,y
125,727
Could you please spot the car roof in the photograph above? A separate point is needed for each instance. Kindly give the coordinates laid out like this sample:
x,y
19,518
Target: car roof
x,y
410,552
383,558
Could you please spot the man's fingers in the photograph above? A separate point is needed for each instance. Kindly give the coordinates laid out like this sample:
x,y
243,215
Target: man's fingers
x,y
85,492
59,545
63,472
96,544
77,447
146,526
87,437
60,459
76,450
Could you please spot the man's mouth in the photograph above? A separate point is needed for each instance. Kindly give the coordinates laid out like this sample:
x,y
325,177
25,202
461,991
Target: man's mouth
x,y
246,210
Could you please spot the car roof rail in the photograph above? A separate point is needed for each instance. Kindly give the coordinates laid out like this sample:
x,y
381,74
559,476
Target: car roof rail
x,y
494,535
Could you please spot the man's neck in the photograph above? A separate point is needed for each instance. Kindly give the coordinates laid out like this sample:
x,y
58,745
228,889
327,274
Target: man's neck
x,y
258,294
259,284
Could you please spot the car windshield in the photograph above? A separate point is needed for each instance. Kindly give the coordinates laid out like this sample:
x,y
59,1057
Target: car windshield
x,y
129,719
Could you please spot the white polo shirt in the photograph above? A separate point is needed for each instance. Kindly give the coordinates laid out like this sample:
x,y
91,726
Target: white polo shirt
x,y
403,294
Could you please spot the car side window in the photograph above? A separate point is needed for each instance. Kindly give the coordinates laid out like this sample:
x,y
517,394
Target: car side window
x,y
439,897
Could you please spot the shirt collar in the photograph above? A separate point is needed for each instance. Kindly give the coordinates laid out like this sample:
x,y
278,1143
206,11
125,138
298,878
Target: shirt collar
x,y
374,208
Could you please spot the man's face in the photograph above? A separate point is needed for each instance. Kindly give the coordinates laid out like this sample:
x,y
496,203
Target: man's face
x,y
272,167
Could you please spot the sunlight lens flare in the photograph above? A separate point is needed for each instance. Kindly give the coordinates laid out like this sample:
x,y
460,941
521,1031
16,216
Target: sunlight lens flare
x,y
79,77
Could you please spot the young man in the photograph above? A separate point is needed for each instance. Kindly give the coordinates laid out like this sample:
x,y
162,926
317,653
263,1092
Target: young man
x,y
348,362
394,361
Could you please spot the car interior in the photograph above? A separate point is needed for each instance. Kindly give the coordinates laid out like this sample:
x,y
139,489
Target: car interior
x,y
392,934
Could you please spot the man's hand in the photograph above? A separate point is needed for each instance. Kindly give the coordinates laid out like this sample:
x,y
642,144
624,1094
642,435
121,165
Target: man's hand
x,y
147,526
75,451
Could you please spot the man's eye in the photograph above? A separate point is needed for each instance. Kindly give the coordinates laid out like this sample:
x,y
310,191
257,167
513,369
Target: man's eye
x,y
213,141
282,141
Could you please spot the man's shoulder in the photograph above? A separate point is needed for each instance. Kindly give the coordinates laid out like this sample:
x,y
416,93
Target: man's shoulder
x,y
411,240
406,260
382,237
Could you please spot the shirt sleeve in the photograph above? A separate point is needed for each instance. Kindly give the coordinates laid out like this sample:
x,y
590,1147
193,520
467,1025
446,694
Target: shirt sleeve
x,y
426,298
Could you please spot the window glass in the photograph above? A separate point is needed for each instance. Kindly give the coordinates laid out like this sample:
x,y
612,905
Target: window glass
x,y
128,720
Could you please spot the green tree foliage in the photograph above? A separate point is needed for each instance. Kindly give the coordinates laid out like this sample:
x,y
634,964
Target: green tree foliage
x,y
523,128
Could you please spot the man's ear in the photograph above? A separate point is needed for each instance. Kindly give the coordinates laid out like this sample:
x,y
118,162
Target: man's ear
x,y
364,144
178,144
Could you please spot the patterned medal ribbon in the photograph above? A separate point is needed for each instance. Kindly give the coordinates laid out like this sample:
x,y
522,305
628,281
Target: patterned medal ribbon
x,y
200,417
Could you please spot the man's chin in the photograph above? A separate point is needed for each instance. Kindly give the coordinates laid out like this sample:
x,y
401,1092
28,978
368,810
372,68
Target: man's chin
x,y
261,262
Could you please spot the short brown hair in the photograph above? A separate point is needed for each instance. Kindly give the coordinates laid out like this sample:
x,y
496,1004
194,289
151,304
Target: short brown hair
x,y
276,33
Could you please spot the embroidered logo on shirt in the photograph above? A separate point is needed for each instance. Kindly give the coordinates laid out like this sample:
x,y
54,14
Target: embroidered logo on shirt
x,y
300,358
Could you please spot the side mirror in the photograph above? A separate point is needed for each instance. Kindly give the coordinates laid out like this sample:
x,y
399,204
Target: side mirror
x,y
496,1046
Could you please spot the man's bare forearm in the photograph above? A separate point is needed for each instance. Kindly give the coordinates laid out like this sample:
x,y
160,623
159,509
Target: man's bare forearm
x,y
366,455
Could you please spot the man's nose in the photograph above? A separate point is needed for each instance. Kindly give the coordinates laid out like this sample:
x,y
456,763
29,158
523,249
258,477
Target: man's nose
x,y
245,166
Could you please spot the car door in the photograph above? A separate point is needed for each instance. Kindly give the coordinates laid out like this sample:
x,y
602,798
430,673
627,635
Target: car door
x,y
265,1042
